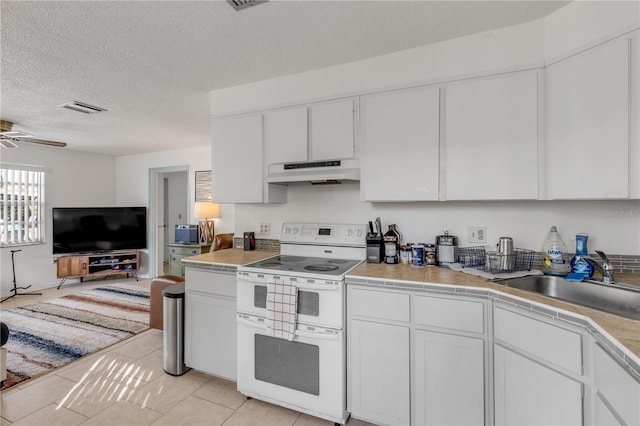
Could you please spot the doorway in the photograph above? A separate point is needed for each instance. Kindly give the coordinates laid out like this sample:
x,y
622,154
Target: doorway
x,y
168,205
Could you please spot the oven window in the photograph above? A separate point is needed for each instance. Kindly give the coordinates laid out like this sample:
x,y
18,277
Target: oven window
x,y
308,302
293,365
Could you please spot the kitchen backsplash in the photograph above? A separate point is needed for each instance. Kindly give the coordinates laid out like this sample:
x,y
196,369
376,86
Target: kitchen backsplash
x,y
261,244
621,263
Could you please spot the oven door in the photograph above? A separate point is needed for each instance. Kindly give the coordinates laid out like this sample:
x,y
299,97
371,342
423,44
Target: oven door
x,y
306,374
320,302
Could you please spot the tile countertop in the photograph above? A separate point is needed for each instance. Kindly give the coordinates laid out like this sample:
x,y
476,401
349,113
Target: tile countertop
x,y
626,331
229,257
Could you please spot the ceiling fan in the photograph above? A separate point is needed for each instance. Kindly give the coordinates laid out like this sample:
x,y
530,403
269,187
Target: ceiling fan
x,y
8,138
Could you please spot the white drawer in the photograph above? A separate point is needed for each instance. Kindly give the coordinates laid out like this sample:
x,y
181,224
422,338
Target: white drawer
x,y
210,282
462,315
617,386
379,304
185,251
548,342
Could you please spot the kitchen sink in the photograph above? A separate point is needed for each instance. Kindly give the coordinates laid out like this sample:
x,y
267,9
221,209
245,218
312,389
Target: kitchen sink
x,y
619,298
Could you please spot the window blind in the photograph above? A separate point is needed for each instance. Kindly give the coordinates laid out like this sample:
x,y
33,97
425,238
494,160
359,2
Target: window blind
x,y
21,205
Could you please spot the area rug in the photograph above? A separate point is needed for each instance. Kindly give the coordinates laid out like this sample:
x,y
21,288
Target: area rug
x,y
47,335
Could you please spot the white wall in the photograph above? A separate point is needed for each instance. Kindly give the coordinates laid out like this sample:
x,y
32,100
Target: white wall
x,y
73,179
132,183
614,226
132,179
491,51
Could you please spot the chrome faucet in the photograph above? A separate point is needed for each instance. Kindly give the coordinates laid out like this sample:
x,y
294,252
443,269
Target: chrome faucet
x,y
603,266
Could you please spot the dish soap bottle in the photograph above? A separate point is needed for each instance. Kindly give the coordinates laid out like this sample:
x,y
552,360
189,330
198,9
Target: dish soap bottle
x,y
556,258
579,264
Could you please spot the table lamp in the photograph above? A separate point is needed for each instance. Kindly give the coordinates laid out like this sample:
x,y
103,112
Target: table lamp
x,y
206,210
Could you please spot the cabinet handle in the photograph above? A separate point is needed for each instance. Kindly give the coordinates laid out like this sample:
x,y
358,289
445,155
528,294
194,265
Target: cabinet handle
x,y
84,265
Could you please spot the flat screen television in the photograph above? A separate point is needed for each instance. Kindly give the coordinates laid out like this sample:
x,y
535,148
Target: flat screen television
x,y
99,229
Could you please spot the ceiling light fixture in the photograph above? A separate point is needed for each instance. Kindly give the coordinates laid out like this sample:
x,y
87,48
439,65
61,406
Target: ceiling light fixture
x,y
82,107
243,4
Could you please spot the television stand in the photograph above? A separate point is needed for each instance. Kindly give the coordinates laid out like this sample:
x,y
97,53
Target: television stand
x,y
98,264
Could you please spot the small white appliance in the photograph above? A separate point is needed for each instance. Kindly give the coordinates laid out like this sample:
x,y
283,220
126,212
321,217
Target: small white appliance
x,y
308,372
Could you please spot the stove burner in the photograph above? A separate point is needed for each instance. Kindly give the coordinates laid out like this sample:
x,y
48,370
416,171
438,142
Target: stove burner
x,y
321,268
271,264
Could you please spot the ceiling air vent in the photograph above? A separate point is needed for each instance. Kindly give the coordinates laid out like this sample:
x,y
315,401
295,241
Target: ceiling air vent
x,y
82,107
243,4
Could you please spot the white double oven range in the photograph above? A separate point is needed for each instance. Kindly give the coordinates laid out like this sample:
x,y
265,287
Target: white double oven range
x,y
303,368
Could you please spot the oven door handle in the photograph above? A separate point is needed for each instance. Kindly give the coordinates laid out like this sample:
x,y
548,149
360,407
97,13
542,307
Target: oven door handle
x,y
312,335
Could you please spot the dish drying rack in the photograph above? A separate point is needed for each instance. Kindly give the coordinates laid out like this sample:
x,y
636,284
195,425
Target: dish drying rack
x,y
495,262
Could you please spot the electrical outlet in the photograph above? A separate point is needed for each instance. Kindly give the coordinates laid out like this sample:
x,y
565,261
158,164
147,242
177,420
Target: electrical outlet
x,y
265,229
476,234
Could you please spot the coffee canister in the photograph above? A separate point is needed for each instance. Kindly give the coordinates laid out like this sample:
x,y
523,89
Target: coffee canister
x,y
430,258
405,254
417,255
447,249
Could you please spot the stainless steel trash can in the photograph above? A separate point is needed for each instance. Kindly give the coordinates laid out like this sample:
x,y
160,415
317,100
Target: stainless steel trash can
x,y
173,329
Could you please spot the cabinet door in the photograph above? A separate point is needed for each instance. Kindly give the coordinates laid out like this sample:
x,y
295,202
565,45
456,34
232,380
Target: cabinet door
x,y
210,335
449,379
286,135
72,266
491,138
588,124
400,131
237,159
617,386
603,415
331,130
379,380
529,393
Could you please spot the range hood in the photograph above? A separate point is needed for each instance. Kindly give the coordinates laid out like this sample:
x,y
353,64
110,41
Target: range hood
x,y
319,172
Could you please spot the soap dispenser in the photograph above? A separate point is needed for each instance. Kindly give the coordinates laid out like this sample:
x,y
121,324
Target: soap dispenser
x,y
556,259
579,263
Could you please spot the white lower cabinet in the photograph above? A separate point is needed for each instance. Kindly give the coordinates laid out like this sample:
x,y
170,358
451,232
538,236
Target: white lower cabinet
x,y
537,369
422,358
379,377
527,392
617,392
210,322
411,358
449,379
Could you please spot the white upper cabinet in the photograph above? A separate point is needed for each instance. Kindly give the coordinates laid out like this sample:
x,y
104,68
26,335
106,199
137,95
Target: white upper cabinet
x,y
285,135
331,130
237,163
317,132
490,149
588,113
400,134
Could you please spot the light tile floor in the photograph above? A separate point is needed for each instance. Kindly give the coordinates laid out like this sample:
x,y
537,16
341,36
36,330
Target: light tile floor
x,y
125,385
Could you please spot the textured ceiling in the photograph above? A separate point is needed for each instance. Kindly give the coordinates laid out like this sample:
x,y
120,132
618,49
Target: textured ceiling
x,y
151,64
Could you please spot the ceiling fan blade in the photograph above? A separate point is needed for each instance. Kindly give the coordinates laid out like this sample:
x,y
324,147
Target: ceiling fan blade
x,y
12,134
44,142
8,143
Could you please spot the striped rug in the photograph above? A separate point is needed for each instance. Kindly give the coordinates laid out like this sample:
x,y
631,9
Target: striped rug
x,y
50,334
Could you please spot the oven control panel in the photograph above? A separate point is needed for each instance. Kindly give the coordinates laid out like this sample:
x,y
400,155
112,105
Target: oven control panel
x,y
329,234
